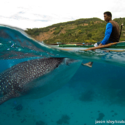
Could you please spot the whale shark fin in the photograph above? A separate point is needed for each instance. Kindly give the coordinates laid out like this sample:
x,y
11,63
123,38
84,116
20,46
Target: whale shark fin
x,y
8,96
89,64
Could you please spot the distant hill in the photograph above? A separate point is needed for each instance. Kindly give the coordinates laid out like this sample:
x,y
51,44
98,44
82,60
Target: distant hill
x,y
82,30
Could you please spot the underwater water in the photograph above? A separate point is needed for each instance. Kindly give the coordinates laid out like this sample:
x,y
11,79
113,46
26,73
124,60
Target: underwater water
x,y
70,94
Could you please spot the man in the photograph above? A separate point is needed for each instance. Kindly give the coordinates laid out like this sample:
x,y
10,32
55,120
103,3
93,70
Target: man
x,y
112,32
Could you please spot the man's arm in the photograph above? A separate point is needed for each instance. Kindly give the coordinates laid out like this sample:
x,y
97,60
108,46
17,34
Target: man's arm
x,y
107,33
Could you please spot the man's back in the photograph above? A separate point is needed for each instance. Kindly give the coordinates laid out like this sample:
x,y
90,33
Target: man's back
x,y
114,37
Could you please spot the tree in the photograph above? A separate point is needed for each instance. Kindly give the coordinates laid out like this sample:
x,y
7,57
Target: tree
x,y
89,35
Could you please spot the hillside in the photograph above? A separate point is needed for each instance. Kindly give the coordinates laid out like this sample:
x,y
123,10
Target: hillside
x,y
82,30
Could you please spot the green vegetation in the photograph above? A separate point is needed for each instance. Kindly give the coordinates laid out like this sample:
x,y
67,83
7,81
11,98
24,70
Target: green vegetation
x,y
36,31
82,30
57,30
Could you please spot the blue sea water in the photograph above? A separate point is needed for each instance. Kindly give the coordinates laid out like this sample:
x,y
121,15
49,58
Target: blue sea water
x,y
71,95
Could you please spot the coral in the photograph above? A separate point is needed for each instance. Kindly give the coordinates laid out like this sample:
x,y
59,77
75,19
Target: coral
x,y
18,107
64,119
101,115
87,96
40,123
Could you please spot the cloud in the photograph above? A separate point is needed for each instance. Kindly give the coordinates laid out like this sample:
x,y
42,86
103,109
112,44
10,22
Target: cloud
x,y
32,22
41,13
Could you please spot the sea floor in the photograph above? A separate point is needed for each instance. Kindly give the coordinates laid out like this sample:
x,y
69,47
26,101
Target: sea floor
x,y
62,107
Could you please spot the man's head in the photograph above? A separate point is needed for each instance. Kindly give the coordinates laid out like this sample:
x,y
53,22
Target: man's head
x,y
107,16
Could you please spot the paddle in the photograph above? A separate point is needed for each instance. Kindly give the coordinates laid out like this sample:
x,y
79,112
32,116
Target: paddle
x,y
103,46
121,30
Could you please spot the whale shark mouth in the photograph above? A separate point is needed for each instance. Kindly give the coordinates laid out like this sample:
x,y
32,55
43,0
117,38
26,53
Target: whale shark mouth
x,y
68,61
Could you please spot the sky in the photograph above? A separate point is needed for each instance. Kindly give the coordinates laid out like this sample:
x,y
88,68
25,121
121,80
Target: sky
x,y
41,13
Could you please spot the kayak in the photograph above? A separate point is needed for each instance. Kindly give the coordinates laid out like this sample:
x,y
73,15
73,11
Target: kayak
x,y
116,47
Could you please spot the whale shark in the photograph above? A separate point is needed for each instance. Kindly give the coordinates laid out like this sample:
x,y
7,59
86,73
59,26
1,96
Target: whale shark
x,y
17,79
21,78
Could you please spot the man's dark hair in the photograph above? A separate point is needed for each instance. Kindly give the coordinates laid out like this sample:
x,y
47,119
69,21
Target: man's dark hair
x,y
108,13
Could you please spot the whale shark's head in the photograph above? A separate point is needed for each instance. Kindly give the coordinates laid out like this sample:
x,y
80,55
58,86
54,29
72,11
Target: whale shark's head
x,y
69,61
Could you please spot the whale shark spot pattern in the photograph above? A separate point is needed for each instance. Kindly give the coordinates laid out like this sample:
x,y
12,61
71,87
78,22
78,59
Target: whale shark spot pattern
x,y
17,80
